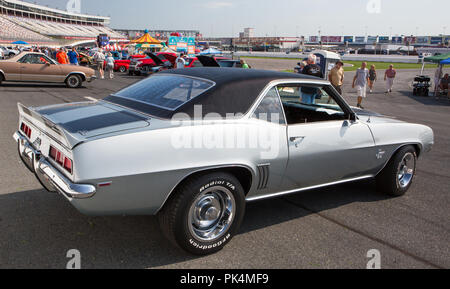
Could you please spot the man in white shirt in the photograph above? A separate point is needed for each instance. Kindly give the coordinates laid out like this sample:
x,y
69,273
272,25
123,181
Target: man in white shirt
x,y
181,63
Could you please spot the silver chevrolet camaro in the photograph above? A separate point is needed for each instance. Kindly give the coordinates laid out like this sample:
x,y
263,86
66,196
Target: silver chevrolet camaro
x,y
192,146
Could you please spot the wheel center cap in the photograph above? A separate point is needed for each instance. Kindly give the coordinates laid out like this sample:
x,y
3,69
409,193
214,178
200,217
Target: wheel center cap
x,y
212,213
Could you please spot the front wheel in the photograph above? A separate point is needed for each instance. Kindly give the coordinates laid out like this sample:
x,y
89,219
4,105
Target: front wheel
x,y
397,177
73,81
122,69
204,213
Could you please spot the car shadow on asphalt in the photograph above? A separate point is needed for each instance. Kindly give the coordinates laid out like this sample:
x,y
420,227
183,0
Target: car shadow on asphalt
x,y
39,85
38,228
430,100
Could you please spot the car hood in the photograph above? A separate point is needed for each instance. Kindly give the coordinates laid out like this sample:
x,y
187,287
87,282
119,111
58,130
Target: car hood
x,y
85,120
373,117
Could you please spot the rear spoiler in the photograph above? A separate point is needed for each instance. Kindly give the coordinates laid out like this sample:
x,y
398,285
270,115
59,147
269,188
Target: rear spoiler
x,y
53,130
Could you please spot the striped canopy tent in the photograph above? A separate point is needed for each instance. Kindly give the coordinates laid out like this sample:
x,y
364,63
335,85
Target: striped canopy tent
x,y
146,39
112,47
146,45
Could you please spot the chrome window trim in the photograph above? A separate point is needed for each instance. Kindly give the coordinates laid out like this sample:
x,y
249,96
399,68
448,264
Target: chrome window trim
x,y
277,82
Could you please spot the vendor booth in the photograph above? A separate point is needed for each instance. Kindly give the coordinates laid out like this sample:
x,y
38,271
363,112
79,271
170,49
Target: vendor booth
x,y
440,60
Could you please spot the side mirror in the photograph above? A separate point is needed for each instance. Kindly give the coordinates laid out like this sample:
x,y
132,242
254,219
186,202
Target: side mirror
x,y
353,117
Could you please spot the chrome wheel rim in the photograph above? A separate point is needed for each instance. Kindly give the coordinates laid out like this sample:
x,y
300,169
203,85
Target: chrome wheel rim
x,y
73,81
406,170
211,214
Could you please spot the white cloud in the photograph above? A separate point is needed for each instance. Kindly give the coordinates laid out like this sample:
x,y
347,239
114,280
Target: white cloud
x,y
218,4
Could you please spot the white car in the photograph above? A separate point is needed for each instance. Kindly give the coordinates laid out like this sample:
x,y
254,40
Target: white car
x,y
6,52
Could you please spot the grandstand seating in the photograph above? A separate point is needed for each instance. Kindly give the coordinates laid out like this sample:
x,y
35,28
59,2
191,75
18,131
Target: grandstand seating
x,y
56,29
12,31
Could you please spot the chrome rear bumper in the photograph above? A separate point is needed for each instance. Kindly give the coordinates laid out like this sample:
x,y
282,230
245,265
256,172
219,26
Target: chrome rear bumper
x,y
47,174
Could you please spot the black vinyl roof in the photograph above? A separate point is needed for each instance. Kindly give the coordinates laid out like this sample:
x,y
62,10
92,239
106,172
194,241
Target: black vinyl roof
x,y
235,90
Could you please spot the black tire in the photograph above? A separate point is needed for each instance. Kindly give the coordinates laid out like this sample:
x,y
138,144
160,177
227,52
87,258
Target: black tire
x,y
122,69
176,218
389,181
1,79
12,54
74,81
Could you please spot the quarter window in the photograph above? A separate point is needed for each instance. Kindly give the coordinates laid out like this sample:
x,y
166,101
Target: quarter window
x,y
270,108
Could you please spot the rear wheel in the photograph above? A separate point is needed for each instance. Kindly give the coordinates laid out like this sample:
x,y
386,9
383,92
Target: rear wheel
x,y
74,81
204,213
1,78
397,177
122,69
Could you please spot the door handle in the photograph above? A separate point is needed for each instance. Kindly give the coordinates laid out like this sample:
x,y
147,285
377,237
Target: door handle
x,y
296,140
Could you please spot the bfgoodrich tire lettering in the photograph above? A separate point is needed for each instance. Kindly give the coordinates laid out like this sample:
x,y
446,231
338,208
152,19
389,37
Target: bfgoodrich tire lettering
x,y
204,213
397,177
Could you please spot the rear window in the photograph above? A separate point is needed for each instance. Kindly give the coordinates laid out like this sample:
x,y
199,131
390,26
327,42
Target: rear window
x,y
166,91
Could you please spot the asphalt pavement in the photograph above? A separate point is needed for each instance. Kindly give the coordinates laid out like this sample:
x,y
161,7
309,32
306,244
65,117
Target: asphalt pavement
x,y
333,227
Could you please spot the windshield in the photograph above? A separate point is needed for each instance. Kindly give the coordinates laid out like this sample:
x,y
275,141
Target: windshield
x,y
165,91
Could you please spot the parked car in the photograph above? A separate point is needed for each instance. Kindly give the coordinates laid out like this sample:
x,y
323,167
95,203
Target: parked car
x,y
136,64
9,52
161,64
124,64
154,148
210,61
36,67
85,60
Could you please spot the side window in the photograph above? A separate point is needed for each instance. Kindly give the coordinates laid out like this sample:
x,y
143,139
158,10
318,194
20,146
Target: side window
x,y
270,108
309,103
197,63
25,59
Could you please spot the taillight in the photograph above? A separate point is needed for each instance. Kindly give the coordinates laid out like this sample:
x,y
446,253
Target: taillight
x,y
25,129
68,165
61,159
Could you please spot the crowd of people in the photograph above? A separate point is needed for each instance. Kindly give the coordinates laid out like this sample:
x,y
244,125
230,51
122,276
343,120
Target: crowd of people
x,y
364,78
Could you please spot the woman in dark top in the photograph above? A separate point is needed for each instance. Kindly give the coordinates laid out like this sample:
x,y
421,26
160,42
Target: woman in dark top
x,y
372,77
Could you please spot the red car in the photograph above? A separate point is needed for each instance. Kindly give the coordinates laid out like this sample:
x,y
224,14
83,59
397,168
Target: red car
x,y
136,65
124,65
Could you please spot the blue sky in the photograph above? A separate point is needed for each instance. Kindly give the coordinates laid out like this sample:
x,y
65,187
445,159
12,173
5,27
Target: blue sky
x,y
275,17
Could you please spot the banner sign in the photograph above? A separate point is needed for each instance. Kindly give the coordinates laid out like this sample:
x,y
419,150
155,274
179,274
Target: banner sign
x,y
410,39
397,40
348,39
383,39
436,40
183,44
372,39
360,39
423,39
331,39
313,39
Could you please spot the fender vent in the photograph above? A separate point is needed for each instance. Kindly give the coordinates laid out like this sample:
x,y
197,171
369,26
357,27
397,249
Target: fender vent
x,y
263,171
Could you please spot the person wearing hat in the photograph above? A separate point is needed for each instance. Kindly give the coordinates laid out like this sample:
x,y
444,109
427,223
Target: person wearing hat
x,y
336,76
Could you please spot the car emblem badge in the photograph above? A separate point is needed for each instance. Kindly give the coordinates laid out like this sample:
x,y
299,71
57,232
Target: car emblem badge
x,y
380,154
37,143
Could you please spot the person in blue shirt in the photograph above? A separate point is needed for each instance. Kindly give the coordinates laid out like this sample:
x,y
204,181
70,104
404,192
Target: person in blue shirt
x,y
73,56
